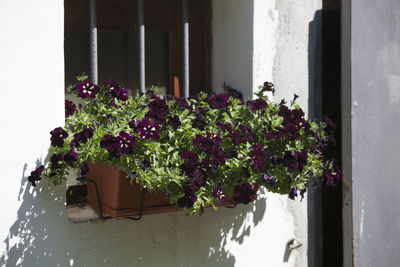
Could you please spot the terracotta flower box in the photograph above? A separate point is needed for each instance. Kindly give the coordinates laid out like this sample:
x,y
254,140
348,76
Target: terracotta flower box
x,y
119,198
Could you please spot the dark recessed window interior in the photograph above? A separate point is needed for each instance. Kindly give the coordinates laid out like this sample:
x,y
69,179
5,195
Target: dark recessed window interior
x,y
118,43
118,58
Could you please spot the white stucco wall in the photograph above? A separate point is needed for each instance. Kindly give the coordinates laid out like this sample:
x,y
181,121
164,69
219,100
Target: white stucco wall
x,y
248,47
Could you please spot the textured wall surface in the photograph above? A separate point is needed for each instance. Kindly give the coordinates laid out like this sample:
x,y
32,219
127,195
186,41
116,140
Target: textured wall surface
x,y
250,44
372,116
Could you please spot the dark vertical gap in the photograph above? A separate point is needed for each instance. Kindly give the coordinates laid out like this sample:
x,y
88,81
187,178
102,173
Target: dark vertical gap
x,y
331,82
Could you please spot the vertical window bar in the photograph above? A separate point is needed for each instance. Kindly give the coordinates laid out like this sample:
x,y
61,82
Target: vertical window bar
x,y
185,20
93,43
141,47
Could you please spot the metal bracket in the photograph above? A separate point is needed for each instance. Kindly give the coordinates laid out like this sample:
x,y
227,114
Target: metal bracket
x,y
84,179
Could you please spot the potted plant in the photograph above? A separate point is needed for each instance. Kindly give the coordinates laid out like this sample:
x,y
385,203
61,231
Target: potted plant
x,y
187,153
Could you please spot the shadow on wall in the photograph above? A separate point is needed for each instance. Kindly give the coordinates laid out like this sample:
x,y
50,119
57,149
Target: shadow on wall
x,y
42,235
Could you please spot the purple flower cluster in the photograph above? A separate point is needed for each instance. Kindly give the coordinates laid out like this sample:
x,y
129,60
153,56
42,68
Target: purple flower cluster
x,y
148,130
70,108
190,158
182,103
82,137
244,193
219,193
293,121
122,144
70,157
87,89
218,101
210,145
295,160
57,137
188,199
224,127
258,156
258,104
158,110
273,134
331,175
36,175
196,172
246,131
236,136
116,91
199,122
56,161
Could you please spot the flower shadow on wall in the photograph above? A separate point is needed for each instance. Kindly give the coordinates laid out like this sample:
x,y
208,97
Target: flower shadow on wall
x,y
42,235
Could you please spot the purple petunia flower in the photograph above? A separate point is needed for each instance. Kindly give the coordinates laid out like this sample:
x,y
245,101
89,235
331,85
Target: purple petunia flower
x,y
126,143
237,137
134,124
56,161
174,121
269,180
87,89
70,108
218,155
210,146
246,131
148,130
199,122
123,144
291,130
183,103
244,193
295,160
188,199
269,87
258,156
218,101
258,104
224,127
293,121
273,134
109,143
36,175
158,110
197,179
293,193
190,158
116,91
331,174
57,137
205,144
219,193
82,137
70,157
